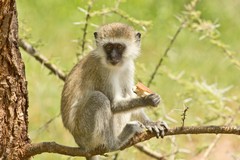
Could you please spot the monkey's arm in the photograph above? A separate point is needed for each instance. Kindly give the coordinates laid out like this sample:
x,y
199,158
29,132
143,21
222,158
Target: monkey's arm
x,y
134,103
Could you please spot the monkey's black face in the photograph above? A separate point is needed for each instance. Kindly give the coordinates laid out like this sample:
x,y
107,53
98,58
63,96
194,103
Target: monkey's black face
x,y
114,52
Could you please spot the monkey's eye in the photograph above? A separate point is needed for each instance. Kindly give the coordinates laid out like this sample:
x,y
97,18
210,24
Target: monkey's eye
x,y
108,47
120,47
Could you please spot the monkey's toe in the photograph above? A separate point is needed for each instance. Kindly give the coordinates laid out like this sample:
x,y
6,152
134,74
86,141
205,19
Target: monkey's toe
x,y
159,128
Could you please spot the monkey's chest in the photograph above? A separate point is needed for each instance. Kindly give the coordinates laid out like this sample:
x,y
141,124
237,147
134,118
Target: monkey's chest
x,y
118,87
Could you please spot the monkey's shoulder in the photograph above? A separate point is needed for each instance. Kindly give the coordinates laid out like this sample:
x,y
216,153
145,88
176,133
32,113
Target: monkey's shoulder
x,y
86,65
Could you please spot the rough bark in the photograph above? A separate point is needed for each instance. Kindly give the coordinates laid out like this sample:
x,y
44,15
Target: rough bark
x,y
13,86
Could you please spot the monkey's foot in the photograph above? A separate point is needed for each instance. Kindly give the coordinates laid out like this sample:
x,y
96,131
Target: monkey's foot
x,y
159,127
135,126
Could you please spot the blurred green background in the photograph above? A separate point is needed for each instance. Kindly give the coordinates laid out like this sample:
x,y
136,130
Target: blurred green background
x,y
49,26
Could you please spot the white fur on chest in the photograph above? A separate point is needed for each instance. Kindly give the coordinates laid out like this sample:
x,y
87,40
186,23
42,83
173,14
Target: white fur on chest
x,y
116,86
122,80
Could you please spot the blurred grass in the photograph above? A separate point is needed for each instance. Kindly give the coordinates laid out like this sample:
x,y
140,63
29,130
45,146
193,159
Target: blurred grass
x,y
49,24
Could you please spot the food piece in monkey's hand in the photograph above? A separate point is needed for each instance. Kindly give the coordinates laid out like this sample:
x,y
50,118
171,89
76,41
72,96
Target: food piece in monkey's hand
x,y
151,98
142,90
159,127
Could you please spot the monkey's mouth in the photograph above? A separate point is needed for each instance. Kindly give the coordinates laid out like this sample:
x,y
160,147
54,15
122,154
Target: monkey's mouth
x,y
113,62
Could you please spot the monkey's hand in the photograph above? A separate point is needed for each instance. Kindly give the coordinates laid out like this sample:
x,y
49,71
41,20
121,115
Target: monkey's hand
x,y
158,127
152,100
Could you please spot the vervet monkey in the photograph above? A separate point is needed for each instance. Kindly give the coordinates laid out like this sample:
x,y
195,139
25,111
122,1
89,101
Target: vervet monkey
x,y
98,104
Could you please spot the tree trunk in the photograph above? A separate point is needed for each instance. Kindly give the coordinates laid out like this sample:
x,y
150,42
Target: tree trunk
x,y
13,86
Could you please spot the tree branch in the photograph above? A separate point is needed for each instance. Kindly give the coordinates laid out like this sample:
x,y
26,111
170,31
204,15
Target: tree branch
x,y
43,60
52,147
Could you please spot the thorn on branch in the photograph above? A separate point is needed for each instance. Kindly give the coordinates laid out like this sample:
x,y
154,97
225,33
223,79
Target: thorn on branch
x,y
184,114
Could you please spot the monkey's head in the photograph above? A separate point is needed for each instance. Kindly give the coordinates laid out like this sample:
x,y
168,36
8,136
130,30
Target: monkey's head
x,y
117,43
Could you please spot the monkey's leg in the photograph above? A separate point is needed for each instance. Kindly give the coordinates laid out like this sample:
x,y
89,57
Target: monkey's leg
x,y
127,133
93,122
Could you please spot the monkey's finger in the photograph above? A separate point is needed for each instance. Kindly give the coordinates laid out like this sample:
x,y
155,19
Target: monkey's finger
x,y
157,100
162,134
155,96
149,128
164,124
162,131
156,130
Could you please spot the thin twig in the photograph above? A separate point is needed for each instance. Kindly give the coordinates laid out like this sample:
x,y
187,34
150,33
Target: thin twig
x,y
52,147
211,146
217,138
40,58
45,125
183,23
165,54
184,114
122,14
116,156
90,4
117,4
230,54
149,152
172,154
173,149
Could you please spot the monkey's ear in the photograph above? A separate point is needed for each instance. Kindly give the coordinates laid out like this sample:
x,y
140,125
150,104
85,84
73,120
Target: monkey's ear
x,y
138,36
95,35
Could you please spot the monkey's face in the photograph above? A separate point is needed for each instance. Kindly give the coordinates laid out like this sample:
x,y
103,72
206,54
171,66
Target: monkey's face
x,y
117,44
114,52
